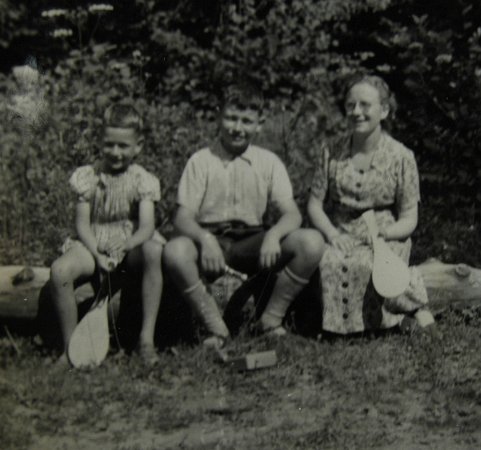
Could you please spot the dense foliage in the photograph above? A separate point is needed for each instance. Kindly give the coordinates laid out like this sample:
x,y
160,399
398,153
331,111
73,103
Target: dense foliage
x,y
171,57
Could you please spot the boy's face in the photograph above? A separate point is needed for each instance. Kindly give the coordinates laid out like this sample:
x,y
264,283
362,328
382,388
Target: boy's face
x,y
238,126
120,146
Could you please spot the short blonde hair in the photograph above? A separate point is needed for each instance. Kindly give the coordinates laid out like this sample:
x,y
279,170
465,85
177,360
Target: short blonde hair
x,y
123,115
243,94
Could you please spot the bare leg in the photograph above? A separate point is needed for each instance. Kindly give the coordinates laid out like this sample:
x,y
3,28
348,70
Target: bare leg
x,y
180,260
149,256
71,266
305,248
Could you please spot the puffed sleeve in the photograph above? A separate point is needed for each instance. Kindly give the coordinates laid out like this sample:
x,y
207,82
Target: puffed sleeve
x,y
83,182
407,189
148,186
320,179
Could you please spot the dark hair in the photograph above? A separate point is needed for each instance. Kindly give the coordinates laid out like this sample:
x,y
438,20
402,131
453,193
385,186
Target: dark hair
x,y
123,115
385,94
243,95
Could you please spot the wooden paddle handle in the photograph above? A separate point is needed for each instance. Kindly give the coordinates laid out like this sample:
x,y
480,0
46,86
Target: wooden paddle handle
x,y
235,273
371,223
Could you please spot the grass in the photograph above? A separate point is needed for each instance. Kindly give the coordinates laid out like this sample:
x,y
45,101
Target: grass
x,y
390,391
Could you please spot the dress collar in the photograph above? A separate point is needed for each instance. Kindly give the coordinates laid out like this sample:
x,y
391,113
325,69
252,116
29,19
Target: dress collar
x,y
380,157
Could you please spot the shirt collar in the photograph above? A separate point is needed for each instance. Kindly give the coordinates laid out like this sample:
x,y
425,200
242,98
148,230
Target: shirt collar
x,y
220,152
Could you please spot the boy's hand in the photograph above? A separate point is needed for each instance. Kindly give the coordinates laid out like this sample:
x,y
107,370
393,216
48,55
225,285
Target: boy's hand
x,y
270,251
212,258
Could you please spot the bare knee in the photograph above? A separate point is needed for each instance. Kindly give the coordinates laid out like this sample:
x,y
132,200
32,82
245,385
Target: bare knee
x,y
61,273
309,245
178,252
152,252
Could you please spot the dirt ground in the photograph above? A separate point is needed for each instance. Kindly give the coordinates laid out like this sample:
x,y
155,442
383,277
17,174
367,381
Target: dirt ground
x,y
390,391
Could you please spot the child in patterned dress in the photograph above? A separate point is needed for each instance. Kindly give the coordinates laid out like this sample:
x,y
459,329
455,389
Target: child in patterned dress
x,y
115,225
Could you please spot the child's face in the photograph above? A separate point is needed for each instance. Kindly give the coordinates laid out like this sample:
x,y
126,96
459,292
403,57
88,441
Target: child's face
x,y
364,108
238,126
120,146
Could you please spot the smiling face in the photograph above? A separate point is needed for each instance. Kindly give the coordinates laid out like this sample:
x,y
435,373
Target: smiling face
x,y
120,146
364,109
238,126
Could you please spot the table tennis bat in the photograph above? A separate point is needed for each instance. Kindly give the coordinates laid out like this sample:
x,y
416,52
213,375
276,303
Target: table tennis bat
x,y
89,343
390,274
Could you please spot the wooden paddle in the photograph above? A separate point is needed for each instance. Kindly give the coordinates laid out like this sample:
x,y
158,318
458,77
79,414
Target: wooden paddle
x,y
390,274
89,343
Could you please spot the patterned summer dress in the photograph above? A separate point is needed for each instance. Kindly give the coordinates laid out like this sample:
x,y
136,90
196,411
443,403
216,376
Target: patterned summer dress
x,y
389,186
114,199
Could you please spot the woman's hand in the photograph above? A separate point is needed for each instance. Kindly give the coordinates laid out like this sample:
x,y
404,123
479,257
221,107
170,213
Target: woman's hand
x,y
270,251
343,242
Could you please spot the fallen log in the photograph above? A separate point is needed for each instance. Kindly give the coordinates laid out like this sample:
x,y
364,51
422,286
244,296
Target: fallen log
x,y
447,285
21,287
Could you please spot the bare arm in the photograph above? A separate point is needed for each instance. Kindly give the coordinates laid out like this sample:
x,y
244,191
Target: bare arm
x,y
84,230
212,257
403,227
146,225
319,220
87,237
289,221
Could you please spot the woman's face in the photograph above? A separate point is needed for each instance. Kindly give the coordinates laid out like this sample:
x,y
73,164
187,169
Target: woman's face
x,y
364,109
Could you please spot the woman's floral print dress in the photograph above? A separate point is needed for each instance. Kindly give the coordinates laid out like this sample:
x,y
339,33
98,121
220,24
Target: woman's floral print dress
x,y
389,186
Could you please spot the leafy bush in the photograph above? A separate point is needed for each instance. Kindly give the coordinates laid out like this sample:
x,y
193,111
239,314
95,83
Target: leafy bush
x,y
170,58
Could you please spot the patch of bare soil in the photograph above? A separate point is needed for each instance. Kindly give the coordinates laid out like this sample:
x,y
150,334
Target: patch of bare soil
x,y
388,392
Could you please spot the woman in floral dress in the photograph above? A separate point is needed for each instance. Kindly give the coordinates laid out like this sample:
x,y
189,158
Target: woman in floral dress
x,y
365,170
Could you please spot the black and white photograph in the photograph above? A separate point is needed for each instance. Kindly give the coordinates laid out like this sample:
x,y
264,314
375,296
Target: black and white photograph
x,y
246,224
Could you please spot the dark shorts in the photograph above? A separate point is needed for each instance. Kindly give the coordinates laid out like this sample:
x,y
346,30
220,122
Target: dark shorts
x,y
240,243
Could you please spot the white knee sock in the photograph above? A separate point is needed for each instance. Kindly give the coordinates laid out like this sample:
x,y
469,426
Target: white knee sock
x,y
287,286
206,308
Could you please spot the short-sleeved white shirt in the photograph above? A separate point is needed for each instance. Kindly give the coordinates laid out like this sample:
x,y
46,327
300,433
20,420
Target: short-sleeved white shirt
x,y
219,189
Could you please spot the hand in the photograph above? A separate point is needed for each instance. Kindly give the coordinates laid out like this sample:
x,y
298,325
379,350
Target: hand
x,y
115,245
343,242
212,257
270,251
106,263
382,234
